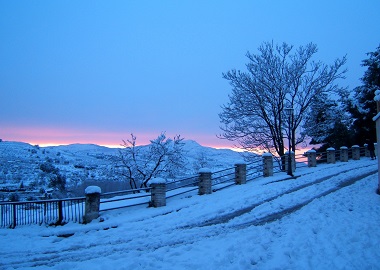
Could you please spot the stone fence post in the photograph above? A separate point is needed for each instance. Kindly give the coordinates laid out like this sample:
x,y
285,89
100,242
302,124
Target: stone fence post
x,y
344,154
241,173
375,148
205,181
267,164
92,203
366,151
330,155
293,160
158,192
355,152
311,158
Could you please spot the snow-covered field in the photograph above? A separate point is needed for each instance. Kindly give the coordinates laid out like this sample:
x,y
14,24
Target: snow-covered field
x,y
327,218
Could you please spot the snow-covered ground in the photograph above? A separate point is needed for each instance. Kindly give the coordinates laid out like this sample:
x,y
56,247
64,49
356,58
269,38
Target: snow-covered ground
x,y
327,218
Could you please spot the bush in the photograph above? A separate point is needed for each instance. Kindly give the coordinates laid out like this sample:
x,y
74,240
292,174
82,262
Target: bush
x,y
79,166
48,168
13,197
58,181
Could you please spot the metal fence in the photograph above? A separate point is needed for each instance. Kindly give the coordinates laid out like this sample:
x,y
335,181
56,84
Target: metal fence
x,y
48,212
59,212
124,198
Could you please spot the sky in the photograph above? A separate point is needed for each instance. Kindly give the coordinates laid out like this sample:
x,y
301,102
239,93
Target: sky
x,y
97,71
327,218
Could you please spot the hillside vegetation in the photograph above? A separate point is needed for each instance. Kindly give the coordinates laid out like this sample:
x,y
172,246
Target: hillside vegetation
x,y
31,172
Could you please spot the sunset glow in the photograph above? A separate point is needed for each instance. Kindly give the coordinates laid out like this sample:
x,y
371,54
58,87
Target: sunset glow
x,y
95,73
53,137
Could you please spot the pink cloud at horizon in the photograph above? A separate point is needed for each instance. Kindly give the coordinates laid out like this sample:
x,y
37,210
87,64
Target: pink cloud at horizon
x,y
45,136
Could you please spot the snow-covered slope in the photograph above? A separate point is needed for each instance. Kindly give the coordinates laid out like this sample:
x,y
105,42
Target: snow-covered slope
x,y
89,163
327,218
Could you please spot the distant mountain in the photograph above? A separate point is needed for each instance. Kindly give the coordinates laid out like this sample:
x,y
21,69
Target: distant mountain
x,y
20,163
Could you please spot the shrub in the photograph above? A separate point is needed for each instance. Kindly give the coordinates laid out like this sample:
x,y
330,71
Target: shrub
x,y
79,166
13,197
57,181
47,167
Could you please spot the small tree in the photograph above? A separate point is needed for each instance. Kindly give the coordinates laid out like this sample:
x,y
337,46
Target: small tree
x,y
13,197
55,178
57,181
163,158
201,161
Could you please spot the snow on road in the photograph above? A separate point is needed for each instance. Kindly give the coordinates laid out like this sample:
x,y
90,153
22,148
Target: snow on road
x,y
327,218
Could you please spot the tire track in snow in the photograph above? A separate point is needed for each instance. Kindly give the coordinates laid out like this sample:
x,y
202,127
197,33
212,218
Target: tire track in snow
x,y
123,245
75,254
275,216
278,215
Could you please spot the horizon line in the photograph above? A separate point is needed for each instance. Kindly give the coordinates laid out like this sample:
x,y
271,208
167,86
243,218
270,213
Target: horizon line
x,y
114,146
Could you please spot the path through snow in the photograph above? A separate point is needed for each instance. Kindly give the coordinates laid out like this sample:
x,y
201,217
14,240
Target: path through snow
x,y
327,218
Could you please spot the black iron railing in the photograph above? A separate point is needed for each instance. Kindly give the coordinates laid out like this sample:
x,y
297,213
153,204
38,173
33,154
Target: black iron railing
x,y
48,212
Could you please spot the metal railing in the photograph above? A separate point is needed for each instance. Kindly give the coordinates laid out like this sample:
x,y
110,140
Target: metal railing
x,y
254,170
48,212
59,212
124,198
182,186
301,160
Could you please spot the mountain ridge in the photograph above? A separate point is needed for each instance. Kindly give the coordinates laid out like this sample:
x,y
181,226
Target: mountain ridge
x,y
84,164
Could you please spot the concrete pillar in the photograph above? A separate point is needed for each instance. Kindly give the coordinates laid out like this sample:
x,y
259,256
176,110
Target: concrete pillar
x,y
240,173
375,148
355,152
292,156
267,164
158,192
330,155
92,203
205,181
366,151
311,158
344,154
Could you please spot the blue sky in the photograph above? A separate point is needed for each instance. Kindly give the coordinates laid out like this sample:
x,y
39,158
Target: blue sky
x,y
96,71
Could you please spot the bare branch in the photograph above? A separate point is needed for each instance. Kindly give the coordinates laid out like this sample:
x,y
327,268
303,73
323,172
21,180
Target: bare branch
x,y
278,76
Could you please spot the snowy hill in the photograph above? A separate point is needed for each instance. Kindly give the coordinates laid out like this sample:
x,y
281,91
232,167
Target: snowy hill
x,y
327,218
87,164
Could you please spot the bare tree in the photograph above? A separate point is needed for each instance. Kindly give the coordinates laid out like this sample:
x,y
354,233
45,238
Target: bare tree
x,y
201,161
279,76
163,158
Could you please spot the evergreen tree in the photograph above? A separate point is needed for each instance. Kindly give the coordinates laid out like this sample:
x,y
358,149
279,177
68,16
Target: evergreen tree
x,y
362,107
371,77
327,124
